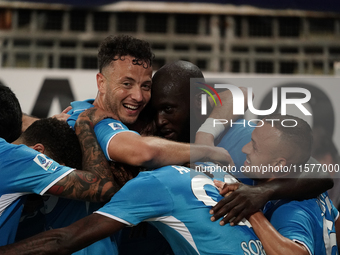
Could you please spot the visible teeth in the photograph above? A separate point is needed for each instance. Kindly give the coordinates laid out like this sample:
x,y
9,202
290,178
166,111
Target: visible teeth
x,y
131,107
248,161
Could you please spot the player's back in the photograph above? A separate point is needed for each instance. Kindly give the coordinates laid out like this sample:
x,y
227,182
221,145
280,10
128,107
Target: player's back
x,y
177,201
193,194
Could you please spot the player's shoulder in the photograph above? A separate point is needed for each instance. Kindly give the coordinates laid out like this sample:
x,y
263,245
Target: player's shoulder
x,y
165,174
297,210
113,124
15,151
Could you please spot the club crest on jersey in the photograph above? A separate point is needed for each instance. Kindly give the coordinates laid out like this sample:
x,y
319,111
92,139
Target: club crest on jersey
x,y
116,126
44,162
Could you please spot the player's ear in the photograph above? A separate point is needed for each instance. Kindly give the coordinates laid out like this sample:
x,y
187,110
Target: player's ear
x,y
38,147
101,83
281,162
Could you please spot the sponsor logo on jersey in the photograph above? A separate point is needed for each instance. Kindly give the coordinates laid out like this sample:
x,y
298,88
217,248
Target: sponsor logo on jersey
x,y
116,126
44,162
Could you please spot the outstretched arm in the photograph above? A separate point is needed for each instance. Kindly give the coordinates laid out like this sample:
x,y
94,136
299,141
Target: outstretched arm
x,y
155,152
66,240
273,242
95,181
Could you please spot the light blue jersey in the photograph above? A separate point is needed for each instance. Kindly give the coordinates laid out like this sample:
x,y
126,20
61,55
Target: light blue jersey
x,y
177,200
309,222
105,130
23,171
238,135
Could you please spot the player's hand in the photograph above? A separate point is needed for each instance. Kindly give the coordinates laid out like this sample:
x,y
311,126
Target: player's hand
x,y
243,201
63,116
95,115
220,185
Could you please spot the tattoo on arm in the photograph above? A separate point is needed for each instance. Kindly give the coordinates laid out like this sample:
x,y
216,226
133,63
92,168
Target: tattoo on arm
x,y
95,182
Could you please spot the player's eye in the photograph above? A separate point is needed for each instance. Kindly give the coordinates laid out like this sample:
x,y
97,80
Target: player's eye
x,y
168,109
146,87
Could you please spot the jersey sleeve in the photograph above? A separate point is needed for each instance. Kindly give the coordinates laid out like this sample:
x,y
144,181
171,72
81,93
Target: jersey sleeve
x,y
296,224
140,199
77,108
105,130
26,170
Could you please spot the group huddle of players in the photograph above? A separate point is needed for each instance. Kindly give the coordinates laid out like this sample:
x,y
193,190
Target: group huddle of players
x,y
126,161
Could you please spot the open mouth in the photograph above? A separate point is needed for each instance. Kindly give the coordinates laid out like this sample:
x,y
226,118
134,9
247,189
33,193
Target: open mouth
x,y
131,107
247,162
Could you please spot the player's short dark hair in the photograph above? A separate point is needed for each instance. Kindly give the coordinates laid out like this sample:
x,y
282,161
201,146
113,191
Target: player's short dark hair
x,y
10,114
116,47
299,137
59,140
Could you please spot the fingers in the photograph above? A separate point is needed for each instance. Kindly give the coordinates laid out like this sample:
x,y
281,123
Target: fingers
x,y
234,216
239,218
231,208
61,116
229,188
67,109
230,211
219,185
222,208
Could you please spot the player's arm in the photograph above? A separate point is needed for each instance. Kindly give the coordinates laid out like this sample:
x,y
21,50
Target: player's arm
x,y
273,242
95,181
207,134
246,200
151,152
66,240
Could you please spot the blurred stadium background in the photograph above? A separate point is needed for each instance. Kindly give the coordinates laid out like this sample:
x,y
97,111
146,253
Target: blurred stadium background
x,y
49,48
235,36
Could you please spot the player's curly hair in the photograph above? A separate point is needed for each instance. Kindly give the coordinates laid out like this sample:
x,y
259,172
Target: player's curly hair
x,y
117,47
60,141
10,115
